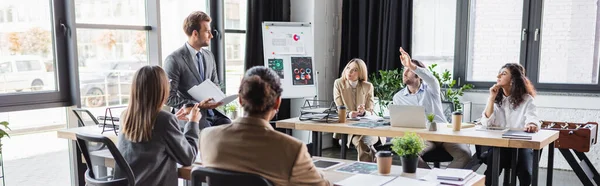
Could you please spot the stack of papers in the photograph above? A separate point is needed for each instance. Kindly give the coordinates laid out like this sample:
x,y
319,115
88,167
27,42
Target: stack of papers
x,y
365,179
208,89
517,134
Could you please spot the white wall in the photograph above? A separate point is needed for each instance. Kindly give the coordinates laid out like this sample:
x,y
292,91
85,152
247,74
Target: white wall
x,y
573,108
324,16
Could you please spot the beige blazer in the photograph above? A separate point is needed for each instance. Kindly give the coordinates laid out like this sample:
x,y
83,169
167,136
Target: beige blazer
x,y
251,145
343,95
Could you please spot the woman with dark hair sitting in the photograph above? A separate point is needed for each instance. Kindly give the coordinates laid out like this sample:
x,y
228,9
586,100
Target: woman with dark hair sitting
x,y
511,105
251,145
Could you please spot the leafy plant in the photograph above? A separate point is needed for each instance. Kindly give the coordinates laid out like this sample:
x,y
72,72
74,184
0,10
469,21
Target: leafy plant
x,y
430,117
230,108
408,145
386,83
3,133
449,92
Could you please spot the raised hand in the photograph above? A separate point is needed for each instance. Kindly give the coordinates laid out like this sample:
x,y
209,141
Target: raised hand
x,y
406,60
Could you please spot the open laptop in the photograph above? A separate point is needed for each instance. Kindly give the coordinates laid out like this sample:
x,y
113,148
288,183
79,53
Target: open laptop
x,y
407,116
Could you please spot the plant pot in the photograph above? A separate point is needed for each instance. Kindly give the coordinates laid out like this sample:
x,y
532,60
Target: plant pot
x,y
233,115
409,163
432,126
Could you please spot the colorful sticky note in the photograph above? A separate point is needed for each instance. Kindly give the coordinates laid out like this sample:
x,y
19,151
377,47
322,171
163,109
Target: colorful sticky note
x,y
267,27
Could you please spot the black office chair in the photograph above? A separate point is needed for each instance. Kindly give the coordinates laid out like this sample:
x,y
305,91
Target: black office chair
x,y
85,117
90,177
220,177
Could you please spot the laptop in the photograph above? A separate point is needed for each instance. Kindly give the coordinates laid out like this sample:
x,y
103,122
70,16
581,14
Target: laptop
x,y
407,116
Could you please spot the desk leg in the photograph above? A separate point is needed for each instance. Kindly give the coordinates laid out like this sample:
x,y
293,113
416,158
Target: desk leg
x,y
495,165
319,144
535,167
288,132
343,146
550,164
315,139
513,167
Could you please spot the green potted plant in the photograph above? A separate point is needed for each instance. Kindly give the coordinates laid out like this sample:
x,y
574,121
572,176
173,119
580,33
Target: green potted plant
x,y
408,148
449,92
231,110
3,133
431,125
385,84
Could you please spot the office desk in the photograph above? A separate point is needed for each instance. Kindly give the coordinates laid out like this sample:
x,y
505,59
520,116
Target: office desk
x,y
443,134
185,172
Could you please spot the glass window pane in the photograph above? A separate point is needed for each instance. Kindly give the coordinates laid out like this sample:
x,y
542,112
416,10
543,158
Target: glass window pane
x,y
26,47
172,14
115,12
494,37
570,42
433,33
234,61
235,14
33,143
107,61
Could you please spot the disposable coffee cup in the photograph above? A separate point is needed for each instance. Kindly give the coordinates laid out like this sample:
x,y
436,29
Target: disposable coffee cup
x,y
342,114
456,120
384,162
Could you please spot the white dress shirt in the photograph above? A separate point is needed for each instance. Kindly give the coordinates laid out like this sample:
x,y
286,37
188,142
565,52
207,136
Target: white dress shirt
x,y
517,118
427,96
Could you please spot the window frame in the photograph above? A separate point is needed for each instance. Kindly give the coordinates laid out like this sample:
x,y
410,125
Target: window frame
x,y
219,19
47,99
529,52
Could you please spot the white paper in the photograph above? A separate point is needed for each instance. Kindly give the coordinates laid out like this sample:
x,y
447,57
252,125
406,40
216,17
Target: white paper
x,y
409,181
371,118
432,177
286,44
365,179
208,89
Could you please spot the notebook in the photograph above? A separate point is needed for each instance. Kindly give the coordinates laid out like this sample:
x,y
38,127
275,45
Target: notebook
x,y
517,134
453,174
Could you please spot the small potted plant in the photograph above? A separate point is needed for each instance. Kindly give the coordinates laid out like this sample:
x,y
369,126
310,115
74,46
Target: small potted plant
x,y
231,109
431,125
408,148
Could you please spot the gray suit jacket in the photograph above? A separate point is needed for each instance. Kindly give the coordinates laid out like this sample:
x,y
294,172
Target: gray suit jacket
x,y
154,162
183,75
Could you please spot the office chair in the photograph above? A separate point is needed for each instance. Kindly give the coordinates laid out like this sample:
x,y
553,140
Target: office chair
x,y
221,177
90,178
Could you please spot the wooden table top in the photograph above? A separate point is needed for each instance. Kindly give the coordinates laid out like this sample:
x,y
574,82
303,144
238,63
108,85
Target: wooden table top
x,y
443,134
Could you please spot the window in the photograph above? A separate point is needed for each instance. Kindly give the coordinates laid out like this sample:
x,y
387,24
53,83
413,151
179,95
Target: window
x,y
24,66
109,55
235,42
434,22
569,42
5,67
494,37
557,41
173,12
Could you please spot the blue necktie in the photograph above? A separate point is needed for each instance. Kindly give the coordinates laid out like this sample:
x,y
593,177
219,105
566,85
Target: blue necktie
x,y
201,72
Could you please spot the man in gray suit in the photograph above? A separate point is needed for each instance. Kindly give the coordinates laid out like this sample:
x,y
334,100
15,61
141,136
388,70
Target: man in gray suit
x,y
191,65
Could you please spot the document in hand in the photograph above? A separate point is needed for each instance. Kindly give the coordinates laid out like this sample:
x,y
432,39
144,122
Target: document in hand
x,y
208,89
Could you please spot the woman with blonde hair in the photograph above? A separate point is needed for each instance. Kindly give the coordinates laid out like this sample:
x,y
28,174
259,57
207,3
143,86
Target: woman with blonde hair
x,y
353,91
150,139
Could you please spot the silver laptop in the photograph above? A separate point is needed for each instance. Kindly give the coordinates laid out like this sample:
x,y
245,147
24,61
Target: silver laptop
x,y
407,116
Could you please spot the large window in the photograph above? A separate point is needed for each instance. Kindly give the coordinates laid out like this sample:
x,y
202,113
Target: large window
x,y
434,22
235,42
557,41
111,45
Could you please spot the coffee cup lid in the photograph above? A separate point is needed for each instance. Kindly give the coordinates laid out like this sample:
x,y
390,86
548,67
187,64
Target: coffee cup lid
x,y
342,107
458,112
384,154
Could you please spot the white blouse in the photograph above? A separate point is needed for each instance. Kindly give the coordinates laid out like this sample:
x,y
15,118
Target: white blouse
x,y
506,116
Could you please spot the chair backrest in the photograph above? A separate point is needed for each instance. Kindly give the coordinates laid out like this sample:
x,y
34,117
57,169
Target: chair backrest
x,y
90,178
448,107
85,117
220,177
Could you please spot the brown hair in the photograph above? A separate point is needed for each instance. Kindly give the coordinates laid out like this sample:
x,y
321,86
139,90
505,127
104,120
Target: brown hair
x,y
149,91
362,69
259,90
192,22
520,85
